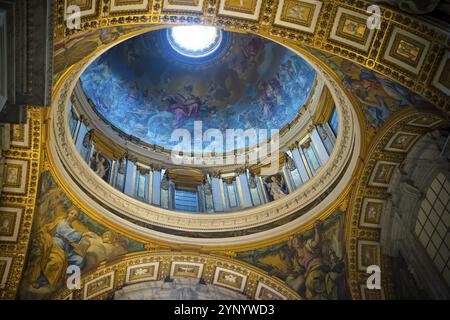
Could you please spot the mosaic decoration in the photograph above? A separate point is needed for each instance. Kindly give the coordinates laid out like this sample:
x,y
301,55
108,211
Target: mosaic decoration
x,y
311,263
64,236
155,267
377,96
250,83
351,28
298,15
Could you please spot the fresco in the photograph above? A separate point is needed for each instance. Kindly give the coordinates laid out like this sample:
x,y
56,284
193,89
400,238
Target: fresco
x,y
74,48
148,92
377,96
311,263
62,235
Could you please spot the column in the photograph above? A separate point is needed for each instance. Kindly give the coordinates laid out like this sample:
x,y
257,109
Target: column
x,y
244,190
217,194
262,189
296,155
156,186
319,146
130,177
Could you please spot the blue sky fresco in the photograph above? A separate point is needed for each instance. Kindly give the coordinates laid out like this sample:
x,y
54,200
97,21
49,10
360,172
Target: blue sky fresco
x,y
147,91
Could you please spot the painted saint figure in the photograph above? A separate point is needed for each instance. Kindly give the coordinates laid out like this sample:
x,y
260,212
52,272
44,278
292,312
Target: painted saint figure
x,y
58,251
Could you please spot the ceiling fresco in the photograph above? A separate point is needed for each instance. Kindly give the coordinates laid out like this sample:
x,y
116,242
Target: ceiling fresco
x,y
249,82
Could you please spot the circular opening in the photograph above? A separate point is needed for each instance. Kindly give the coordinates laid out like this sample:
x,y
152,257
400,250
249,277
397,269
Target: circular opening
x,y
194,41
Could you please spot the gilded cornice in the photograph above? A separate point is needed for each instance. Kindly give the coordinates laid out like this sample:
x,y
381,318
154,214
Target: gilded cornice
x,y
206,266
22,167
361,235
373,50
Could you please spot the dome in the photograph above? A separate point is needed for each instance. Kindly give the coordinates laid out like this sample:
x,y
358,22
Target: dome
x,y
154,84
140,101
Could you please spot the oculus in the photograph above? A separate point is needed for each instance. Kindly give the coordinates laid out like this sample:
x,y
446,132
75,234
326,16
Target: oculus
x,y
194,41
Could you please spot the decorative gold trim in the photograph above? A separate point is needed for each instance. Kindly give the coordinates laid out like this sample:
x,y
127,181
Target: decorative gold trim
x,y
16,251
260,243
204,266
355,230
264,25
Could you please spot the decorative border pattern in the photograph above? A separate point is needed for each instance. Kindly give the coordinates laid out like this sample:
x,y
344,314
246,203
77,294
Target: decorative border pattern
x,y
106,279
265,19
350,28
307,12
363,238
13,248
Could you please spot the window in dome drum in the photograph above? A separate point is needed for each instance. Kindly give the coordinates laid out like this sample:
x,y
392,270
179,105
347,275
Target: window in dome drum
x,y
186,200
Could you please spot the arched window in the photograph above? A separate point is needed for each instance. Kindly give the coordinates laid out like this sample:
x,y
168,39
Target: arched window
x,y
433,224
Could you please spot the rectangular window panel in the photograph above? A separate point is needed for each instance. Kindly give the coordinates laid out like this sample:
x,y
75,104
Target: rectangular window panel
x,y
73,121
232,195
142,182
186,200
311,158
296,178
255,196
334,122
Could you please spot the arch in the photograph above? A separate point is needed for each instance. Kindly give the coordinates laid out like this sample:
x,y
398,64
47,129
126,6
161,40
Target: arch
x,y
209,269
363,235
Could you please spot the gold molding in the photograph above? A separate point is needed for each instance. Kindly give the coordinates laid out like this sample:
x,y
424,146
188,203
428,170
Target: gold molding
x,y
354,231
240,247
320,39
16,251
208,263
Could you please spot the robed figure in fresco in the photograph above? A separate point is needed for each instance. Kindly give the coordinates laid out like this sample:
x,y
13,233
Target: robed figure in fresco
x,y
312,271
58,241
312,263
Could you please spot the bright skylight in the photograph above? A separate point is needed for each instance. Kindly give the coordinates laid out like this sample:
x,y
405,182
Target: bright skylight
x,y
194,41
